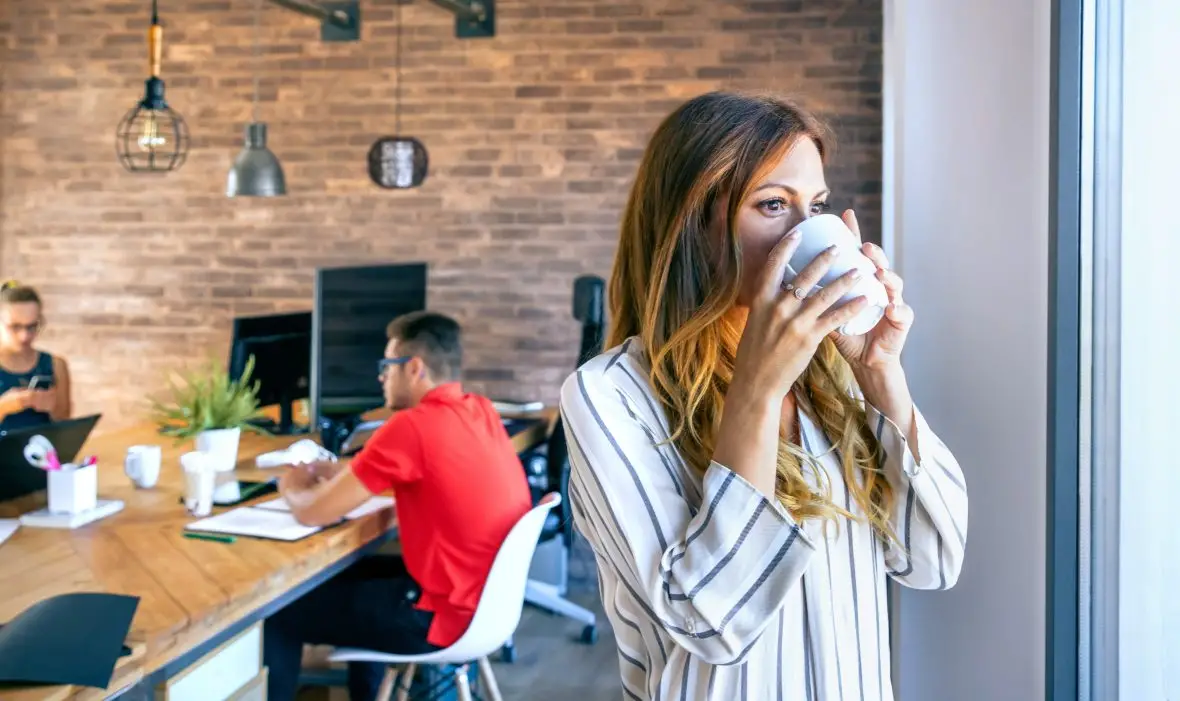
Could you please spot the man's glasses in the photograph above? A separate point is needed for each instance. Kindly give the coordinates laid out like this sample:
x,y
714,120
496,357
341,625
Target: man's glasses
x,y
384,364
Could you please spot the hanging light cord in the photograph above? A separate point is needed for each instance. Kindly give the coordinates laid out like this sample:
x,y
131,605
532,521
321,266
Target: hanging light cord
x,y
397,95
155,14
257,57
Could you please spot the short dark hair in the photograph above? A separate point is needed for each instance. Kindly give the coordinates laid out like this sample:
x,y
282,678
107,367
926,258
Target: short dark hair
x,y
433,337
12,292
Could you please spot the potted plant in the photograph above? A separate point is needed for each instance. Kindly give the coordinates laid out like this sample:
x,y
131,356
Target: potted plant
x,y
209,407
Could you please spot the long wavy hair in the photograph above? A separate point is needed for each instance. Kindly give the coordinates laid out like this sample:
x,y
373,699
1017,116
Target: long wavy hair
x,y
675,284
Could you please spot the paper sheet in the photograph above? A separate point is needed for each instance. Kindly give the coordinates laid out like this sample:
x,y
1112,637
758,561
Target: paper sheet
x,y
8,526
255,522
373,505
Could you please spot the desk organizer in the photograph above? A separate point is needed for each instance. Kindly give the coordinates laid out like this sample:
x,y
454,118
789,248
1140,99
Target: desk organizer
x,y
73,500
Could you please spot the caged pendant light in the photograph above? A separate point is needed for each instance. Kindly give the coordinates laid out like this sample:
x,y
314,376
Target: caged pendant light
x,y
398,162
152,137
256,171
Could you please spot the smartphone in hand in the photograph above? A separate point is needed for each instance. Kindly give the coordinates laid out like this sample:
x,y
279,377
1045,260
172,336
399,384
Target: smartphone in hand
x,y
41,382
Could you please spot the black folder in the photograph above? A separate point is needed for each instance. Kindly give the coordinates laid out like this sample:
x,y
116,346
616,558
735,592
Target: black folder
x,y
69,639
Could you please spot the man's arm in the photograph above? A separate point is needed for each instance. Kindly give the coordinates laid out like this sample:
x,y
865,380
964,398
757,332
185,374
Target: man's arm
x,y
323,493
320,503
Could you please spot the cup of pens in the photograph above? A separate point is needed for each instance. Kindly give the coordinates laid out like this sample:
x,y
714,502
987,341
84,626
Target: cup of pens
x,y
73,488
199,481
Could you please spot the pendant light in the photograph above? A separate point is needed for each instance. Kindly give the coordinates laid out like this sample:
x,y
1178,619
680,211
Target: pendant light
x,y
152,137
256,172
398,162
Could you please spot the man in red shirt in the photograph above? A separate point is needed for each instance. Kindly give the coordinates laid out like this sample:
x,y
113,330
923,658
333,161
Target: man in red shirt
x,y
459,487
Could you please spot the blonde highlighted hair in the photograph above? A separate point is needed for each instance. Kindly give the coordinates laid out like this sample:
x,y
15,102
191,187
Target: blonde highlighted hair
x,y
676,280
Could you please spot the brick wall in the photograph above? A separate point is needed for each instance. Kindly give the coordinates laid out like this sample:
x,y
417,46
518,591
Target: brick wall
x,y
533,135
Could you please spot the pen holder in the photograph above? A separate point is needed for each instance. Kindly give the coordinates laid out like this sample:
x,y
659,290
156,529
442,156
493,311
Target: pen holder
x,y
73,489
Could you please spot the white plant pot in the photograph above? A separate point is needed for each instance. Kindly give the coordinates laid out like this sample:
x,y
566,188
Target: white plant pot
x,y
221,446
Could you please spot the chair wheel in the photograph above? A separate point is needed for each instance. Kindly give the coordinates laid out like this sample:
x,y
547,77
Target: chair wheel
x,y
508,654
590,634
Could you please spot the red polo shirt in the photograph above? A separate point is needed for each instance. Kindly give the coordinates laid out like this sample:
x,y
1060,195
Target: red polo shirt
x,y
459,487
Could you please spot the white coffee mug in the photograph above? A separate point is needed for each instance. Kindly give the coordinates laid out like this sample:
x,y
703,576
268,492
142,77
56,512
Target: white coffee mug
x,y
142,465
819,233
199,479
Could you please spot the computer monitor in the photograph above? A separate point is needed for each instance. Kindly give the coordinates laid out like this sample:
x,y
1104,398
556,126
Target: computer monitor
x,y
352,308
281,346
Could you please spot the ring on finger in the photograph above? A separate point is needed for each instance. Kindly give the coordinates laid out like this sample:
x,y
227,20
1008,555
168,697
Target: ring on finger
x,y
798,292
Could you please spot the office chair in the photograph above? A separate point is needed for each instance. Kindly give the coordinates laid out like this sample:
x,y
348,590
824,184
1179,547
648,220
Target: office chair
x,y
549,577
496,617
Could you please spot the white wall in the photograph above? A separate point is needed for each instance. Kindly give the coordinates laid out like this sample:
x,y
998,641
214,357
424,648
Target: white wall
x,y
967,153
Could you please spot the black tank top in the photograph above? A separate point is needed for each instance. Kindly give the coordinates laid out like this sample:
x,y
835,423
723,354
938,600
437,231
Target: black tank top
x,y
9,380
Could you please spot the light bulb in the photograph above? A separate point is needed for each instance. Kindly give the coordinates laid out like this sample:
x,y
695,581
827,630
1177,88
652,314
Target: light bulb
x,y
150,137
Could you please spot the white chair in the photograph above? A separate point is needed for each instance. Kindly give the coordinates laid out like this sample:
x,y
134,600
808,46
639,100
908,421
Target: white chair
x,y
495,620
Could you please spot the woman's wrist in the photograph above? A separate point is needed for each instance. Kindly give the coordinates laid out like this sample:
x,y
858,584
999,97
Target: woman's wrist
x,y
887,390
747,439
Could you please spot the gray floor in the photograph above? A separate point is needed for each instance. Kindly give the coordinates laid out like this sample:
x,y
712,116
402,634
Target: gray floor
x,y
551,662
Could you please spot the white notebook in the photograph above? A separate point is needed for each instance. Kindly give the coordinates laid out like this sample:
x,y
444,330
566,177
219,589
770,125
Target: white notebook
x,y
373,505
255,522
8,526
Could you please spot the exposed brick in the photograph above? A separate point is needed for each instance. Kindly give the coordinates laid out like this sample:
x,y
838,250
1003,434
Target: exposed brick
x,y
534,138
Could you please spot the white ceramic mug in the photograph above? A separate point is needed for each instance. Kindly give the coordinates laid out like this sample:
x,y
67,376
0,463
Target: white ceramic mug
x,y
199,478
818,233
142,465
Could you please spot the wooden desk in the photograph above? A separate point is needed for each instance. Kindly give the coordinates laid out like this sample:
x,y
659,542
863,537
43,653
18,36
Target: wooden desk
x,y
194,594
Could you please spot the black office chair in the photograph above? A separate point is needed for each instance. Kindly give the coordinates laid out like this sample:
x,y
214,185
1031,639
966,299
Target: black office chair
x,y
549,470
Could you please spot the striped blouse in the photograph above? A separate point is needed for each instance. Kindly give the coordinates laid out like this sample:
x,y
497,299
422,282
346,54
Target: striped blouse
x,y
714,591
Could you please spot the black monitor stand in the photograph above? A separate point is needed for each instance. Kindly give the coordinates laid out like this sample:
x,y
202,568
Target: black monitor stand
x,y
286,425
336,429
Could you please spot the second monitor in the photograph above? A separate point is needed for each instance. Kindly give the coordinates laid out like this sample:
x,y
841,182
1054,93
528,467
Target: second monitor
x,y
281,346
352,308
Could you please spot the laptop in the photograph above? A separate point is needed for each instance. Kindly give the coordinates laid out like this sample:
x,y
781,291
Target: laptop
x,y
17,476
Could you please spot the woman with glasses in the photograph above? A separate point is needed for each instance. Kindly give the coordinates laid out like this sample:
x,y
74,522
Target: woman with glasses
x,y
34,385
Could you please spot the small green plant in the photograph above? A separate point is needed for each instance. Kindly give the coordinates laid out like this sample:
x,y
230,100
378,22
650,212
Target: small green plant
x,y
207,400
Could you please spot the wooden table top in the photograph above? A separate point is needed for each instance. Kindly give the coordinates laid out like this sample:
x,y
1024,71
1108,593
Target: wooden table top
x,y
190,590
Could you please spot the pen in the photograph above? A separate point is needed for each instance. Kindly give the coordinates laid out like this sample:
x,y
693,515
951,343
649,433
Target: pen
x,y
209,536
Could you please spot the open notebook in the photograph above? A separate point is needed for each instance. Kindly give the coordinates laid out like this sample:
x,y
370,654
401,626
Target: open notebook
x,y
273,520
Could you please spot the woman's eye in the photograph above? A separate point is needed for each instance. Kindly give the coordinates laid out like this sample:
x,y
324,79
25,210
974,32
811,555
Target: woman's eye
x,y
818,208
773,206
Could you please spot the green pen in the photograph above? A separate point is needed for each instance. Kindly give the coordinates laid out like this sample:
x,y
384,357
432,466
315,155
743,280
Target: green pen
x,y
210,536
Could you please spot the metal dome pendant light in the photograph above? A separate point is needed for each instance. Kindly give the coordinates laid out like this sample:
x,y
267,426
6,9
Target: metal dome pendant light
x,y
398,162
152,137
256,171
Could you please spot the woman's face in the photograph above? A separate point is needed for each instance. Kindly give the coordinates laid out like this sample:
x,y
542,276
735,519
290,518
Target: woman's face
x,y
19,324
791,191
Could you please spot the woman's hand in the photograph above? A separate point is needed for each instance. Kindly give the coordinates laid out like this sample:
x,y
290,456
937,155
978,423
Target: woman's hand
x,y
43,400
875,356
15,400
785,325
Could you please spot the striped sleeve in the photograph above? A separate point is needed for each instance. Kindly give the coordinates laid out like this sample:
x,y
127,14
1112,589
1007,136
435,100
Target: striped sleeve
x,y
712,577
930,511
